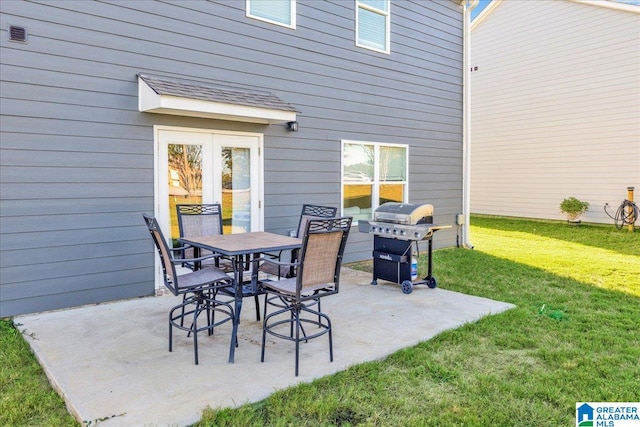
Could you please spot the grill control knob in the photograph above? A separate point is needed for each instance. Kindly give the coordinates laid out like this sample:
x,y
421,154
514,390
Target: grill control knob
x,y
416,234
403,232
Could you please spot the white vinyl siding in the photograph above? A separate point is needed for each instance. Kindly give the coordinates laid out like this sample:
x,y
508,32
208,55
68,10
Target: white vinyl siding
x,y
372,24
280,12
555,108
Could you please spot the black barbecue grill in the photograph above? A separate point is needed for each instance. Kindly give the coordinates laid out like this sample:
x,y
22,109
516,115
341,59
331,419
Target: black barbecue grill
x,y
396,228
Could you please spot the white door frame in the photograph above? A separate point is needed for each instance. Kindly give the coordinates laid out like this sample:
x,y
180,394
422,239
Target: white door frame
x,y
211,140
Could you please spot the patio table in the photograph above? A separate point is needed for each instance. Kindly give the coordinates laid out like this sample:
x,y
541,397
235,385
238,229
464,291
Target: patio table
x,y
237,247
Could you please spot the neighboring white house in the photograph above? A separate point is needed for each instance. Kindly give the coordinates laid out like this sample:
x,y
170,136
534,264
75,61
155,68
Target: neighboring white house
x,y
555,88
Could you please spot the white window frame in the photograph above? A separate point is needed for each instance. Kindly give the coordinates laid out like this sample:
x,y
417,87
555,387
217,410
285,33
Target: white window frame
x,y
292,16
376,182
386,14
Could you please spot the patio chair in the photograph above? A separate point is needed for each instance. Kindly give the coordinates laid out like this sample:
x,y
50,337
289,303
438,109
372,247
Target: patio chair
x,y
318,267
198,288
206,220
308,212
201,220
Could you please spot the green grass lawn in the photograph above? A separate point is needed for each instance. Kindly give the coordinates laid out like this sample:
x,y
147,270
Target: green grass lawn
x,y
573,337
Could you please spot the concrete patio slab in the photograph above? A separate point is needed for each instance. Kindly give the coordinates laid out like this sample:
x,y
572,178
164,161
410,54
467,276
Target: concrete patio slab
x,y
111,363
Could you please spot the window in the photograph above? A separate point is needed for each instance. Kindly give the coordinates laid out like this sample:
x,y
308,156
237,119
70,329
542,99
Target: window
x,y
281,12
372,24
372,174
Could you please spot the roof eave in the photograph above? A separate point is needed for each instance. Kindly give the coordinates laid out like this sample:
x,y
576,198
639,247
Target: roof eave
x,y
149,101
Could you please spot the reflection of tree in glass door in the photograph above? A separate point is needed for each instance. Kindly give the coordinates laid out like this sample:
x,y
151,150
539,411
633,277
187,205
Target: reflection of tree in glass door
x,y
186,161
185,179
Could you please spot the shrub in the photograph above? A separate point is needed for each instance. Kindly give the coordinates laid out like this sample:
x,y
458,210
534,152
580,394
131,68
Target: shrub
x,y
573,208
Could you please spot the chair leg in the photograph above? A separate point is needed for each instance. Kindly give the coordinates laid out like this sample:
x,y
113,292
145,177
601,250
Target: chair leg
x,y
264,326
297,314
257,308
194,328
300,325
170,333
184,299
330,338
201,302
264,340
211,312
296,332
207,308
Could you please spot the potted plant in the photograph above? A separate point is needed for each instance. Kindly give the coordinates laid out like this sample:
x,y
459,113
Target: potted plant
x,y
573,208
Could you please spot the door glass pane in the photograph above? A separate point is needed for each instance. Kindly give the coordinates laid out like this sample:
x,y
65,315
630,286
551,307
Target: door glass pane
x,y
184,181
236,190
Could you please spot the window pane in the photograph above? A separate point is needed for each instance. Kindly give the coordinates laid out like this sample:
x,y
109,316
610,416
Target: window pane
x,y
273,10
393,163
391,193
372,29
358,162
378,4
358,201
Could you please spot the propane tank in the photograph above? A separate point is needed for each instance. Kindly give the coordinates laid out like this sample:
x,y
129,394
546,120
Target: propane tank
x,y
414,268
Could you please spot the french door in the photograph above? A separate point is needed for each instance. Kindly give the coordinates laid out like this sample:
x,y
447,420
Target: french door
x,y
206,166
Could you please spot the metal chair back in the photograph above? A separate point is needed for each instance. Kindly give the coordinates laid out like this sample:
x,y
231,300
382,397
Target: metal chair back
x,y
320,257
168,268
313,211
199,219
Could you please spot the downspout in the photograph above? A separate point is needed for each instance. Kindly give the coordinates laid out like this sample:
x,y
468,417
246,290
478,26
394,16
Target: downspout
x,y
466,125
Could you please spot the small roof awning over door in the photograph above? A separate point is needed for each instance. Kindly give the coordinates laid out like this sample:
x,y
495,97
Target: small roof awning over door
x,y
164,96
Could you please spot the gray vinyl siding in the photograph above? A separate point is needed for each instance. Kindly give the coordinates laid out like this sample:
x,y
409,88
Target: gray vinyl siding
x,y
77,158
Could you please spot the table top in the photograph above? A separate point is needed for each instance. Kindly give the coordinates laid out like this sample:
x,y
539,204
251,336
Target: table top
x,y
244,243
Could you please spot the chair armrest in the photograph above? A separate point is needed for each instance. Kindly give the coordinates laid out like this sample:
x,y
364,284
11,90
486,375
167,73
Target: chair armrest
x,y
180,248
272,255
275,267
184,260
277,262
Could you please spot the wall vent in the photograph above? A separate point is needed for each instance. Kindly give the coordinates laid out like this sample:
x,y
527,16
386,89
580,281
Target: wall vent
x,y
17,34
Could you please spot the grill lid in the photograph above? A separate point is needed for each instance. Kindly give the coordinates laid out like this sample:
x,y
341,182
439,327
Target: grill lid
x,y
403,213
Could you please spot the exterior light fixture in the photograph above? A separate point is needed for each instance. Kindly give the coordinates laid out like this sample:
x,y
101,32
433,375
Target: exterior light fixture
x,y
292,126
